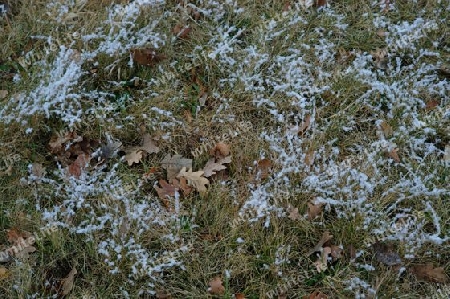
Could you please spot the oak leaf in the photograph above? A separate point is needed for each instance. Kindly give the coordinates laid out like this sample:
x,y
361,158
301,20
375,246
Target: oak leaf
x,y
149,145
195,179
314,210
325,238
147,56
211,166
221,150
428,273
68,282
216,287
173,165
77,167
264,167
133,156
165,190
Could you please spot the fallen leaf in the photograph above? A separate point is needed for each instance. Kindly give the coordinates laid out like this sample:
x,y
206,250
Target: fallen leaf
x,y
149,145
195,179
163,295
147,56
37,170
322,263
264,168
221,150
314,210
239,296
287,6
211,166
68,282
173,165
293,213
3,273
3,94
216,287
427,272
447,154
134,156
310,157
77,167
108,150
316,295
305,124
336,252
325,238
182,31
387,129
165,190
321,3
384,253
431,104
393,154
381,33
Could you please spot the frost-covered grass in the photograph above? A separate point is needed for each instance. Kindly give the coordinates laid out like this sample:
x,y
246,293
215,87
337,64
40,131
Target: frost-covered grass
x,y
351,67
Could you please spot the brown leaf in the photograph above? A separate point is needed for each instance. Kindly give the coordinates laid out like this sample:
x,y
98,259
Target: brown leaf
x,y
3,94
195,179
134,156
321,3
314,210
147,56
211,166
336,252
166,190
77,167
384,253
305,124
325,238
216,287
293,213
149,145
287,6
221,150
393,154
68,282
173,165
161,294
387,129
37,170
427,272
381,33
182,31
264,167
431,104
316,295
239,296
3,273
310,157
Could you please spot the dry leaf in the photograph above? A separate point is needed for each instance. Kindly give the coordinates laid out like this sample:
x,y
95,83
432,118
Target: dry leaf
x,y
309,157
221,150
37,170
384,253
149,145
305,125
387,129
293,213
195,179
393,154
381,33
166,190
431,104
173,165
216,287
211,166
3,94
147,56
161,294
134,156
77,167
3,273
68,282
316,295
447,154
182,31
108,150
314,210
264,168
428,273
336,252
325,238
321,3
322,263
239,296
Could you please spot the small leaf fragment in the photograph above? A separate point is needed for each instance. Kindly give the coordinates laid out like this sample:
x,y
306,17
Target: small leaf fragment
x,y
216,287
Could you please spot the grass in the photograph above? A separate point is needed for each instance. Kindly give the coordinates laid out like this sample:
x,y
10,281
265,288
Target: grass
x,y
252,63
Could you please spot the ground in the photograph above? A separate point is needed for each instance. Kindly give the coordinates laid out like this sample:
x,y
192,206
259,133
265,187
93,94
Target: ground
x,y
224,149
